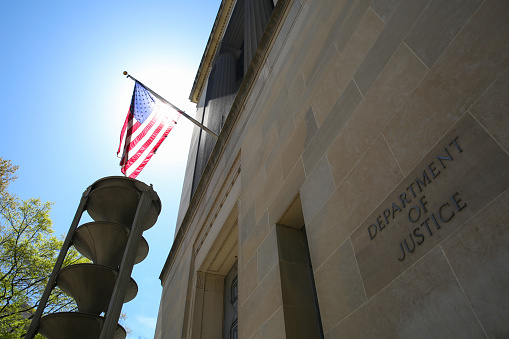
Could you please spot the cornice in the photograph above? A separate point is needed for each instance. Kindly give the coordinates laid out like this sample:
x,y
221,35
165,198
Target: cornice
x,y
220,24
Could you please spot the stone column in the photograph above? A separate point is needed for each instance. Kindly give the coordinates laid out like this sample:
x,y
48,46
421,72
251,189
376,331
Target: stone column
x,y
256,16
222,91
223,74
220,95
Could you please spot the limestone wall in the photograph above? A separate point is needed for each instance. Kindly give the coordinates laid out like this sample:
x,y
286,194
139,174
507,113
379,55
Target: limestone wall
x,y
357,101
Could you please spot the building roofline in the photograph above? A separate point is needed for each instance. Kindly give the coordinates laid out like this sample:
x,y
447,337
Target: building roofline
x,y
216,35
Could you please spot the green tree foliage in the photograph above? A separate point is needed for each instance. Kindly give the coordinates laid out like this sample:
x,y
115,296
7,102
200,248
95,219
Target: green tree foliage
x,y
28,251
7,175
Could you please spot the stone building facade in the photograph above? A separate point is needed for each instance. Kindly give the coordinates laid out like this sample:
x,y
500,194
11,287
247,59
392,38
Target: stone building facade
x,y
359,184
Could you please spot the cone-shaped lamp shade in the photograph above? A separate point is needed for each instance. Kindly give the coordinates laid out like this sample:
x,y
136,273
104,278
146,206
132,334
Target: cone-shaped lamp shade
x,y
91,286
115,199
104,243
66,325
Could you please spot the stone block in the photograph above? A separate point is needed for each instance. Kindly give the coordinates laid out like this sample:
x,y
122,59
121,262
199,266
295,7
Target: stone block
x,y
471,63
404,17
287,193
437,27
338,286
369,182
390,91
424,302
247,221
250,191
284,137
253,241
265,300
333,15
479,256
344,35
256,335
316,190
296,90
298,142
334,122
385,8
268,107
268,189
267,143
272,104
344,65
459,176
308,27
491,110
274,328
267,255
173,298
250,159
248,279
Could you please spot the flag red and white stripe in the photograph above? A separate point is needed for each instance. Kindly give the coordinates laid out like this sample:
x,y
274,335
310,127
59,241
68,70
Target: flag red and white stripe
x,y
146,126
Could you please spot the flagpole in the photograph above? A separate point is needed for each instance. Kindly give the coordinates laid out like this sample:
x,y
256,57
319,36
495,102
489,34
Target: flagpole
x,y
174,107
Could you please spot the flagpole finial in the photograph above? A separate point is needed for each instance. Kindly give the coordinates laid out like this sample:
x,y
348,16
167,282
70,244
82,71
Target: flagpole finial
x,y
125,73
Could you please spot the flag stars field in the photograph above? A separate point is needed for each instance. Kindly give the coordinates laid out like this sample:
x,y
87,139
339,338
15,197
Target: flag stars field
x,y
145,128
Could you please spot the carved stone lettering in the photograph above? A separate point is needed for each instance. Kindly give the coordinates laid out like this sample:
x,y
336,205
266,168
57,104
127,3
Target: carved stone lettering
x,y
459,176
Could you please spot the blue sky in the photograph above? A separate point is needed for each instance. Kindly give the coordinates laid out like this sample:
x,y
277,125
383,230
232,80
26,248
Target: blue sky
x,y
64,100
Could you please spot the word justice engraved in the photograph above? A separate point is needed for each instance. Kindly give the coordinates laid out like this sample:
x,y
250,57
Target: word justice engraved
x,y
444,214
412,202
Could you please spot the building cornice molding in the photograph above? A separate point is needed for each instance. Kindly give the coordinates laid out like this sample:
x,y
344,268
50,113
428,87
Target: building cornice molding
x,y
273,26
220,24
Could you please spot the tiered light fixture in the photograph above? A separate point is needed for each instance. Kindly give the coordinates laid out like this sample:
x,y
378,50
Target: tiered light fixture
x,y
122,208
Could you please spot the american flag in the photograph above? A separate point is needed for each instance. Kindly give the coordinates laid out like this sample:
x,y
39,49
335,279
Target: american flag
x,y
146,126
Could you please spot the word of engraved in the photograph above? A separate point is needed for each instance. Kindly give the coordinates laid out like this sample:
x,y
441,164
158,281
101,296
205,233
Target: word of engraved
x,y
429,174
442,214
